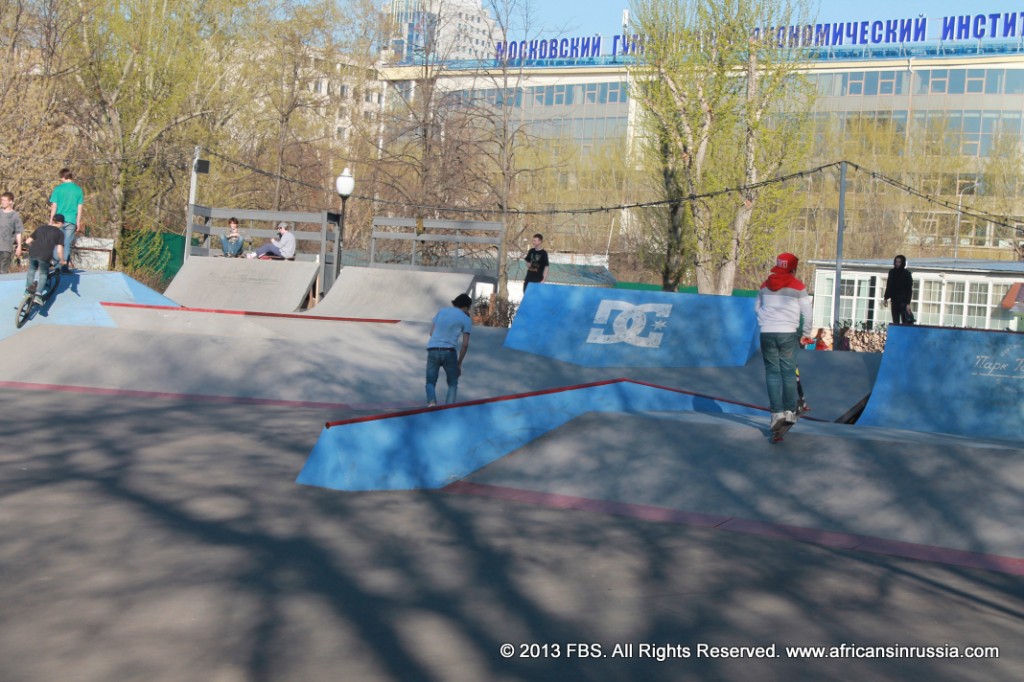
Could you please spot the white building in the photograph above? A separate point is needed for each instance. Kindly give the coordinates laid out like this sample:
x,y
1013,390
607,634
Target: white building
x,y
442,30
947,293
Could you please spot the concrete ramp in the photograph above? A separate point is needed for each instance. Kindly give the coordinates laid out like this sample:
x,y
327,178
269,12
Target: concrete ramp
x,y
77,301
597,327
429,448
243,284
874,486
384,293
958,381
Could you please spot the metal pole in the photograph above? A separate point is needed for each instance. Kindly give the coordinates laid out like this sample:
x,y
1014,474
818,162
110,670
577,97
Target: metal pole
x,y
840,226
337,241
192,189
959,212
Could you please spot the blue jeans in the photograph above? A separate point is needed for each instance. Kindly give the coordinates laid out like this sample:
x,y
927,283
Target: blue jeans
x,y
38,269
69,239
779,353
436,359
230,248
269,249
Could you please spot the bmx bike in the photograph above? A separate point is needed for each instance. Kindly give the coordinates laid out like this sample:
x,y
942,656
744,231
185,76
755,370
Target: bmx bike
x,y
29,306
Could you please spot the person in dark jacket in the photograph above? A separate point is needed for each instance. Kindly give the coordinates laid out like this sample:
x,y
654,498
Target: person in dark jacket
x,y
899,289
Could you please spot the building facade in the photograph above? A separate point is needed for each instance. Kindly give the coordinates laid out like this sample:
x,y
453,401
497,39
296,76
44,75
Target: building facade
x,y
950,88
441,30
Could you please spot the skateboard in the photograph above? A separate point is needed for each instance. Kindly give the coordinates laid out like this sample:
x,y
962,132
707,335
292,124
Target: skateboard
x,y
782,429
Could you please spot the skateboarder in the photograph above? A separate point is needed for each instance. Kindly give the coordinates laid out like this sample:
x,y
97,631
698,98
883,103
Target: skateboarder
x,y
782,303
443,347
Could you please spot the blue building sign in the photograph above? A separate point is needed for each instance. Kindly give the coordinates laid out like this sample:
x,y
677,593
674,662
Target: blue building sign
x,y
990,26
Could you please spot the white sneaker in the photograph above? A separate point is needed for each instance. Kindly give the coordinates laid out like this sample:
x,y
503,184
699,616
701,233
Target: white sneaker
x,y
789,417
251,255
777,419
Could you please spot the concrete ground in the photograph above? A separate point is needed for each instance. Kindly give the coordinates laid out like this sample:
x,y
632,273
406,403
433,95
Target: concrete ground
x,y
151,528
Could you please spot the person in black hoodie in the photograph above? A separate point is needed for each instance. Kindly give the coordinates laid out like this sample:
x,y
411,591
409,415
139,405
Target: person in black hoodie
x,y
899,288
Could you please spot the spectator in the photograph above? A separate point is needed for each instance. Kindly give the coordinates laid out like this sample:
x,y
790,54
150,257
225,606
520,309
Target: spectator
x,y
536,262
11,232
232,242
819,340
899,288
67,199
283,248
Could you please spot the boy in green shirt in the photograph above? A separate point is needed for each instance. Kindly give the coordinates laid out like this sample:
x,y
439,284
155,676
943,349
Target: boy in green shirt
x,y
67,199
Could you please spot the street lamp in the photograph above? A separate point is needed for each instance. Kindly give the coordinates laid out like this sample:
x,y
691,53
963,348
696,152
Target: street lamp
x,y
345,184
959,207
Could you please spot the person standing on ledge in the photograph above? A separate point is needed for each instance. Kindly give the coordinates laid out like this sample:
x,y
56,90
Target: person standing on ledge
x,y
449,324
899,287
536,262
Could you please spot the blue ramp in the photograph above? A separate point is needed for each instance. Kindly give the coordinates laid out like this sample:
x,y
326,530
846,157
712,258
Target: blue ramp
x,y
621,328
958,381
432,448
78,299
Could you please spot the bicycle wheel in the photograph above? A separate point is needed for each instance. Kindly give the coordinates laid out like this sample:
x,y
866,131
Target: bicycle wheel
x,y
24,311
52,282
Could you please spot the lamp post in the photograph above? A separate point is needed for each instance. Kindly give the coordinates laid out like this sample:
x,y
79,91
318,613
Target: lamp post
x,y
959,208
345,184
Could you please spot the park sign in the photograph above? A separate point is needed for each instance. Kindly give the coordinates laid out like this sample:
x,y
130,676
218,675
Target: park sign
x,y
955,28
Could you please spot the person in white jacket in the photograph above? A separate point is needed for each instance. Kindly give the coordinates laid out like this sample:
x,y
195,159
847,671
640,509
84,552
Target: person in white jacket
x,y
783,315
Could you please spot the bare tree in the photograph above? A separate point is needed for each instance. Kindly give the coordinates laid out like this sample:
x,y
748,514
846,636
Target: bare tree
x,y
720,109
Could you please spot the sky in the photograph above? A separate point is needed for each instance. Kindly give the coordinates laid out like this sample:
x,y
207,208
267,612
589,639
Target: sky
x,y
587,17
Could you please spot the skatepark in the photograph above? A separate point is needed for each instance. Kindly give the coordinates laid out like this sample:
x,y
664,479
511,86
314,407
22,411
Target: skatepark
x,y
220,482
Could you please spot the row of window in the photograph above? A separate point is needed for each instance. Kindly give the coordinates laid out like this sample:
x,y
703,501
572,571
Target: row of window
x,y
945,302
923,82
963,132
550,95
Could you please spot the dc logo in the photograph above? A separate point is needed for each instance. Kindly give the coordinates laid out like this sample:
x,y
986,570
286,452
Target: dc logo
x,y
629,325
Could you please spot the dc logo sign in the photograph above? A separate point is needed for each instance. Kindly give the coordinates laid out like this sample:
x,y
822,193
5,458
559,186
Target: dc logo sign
x,y
629,323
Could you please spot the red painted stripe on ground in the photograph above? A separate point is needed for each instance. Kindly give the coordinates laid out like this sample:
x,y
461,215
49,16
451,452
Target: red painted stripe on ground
x,y
848,541
246,313
196,397
546,391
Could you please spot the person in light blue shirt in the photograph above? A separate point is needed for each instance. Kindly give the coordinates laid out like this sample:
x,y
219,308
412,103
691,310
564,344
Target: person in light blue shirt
x,y
444,348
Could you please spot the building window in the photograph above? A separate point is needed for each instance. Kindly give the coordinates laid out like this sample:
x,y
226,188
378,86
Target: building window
x,y
977,305
939,81
954,299
929,304
853,83
887,83
975,81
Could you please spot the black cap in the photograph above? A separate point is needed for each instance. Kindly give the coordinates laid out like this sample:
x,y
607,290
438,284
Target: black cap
x,y
462,301
58,218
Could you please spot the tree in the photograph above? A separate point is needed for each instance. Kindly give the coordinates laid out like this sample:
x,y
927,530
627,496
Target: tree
x,y
32,45
1003,180
720,108
146,70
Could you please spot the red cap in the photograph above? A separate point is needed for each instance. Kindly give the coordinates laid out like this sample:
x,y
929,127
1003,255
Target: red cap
x,y
787,262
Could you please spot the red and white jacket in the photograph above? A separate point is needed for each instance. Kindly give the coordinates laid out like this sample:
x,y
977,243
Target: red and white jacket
x,y
782,302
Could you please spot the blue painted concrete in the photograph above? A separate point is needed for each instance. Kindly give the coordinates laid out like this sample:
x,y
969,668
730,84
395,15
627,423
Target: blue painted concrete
x,y
596,327
957,381
430,449
77,301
